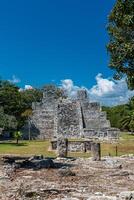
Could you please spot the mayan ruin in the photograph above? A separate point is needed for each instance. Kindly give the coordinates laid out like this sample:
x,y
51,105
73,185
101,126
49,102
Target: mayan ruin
x,y
77,118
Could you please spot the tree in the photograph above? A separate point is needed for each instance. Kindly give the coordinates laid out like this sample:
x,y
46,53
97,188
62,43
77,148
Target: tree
x,y
10,98
28,113
128,122
116,113
7,122
29,96
121,45
17,136
15,102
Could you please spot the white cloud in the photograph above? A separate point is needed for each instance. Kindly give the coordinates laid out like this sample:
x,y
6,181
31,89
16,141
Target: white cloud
x,y
14,79
68,86
103,87
26,87
110,92
106,91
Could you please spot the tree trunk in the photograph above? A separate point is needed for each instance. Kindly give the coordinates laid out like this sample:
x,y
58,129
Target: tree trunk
x,y
17,141
29,131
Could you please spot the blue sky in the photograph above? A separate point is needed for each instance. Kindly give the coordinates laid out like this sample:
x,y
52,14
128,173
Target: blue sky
x,y
61,42
51,40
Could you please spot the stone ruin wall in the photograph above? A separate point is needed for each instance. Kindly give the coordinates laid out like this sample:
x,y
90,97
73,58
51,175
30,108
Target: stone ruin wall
x,y
74,146
71,118
93,117
43,118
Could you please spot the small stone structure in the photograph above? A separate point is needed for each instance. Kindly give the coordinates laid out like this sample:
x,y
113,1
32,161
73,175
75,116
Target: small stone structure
x,y
74,146
96,151
62,147
69,118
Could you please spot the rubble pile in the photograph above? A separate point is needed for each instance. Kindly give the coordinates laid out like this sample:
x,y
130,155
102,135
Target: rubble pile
x,y
39,178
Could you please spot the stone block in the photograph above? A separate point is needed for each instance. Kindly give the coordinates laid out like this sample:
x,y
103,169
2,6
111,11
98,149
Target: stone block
x,y
96,151
62,147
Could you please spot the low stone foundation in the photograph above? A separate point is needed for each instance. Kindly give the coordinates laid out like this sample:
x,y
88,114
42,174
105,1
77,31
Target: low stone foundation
x,y
102,134
74,146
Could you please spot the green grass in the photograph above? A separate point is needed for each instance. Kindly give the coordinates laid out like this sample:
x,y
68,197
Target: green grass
x,y
126,136
26,148
125,146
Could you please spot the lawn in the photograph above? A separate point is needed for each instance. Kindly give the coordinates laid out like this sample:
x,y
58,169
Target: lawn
x,y
125,145
26,148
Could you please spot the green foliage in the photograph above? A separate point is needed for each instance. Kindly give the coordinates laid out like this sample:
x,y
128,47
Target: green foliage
x,y
29,96
10,98
15,102
7,121
16,105
27,113
127,122
121,44
122,116
17,136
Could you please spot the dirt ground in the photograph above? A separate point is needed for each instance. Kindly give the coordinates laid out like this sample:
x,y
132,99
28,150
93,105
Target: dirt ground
x,y
109,177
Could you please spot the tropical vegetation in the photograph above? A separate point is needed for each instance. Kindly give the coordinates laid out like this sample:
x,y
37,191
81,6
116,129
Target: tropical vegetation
x,y
121,43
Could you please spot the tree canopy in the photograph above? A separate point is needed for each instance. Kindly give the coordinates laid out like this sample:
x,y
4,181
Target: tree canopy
x,y
121,44
7,121
16,104
122,116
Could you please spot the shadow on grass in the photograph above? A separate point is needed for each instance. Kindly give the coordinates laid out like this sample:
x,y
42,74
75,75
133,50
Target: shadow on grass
x,y
13,144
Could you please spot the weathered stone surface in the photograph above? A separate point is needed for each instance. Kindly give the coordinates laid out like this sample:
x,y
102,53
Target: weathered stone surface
x,y
126,195
113,163
96,151
92,181
70,118
62,147
66,172
74,146
102,198
67,198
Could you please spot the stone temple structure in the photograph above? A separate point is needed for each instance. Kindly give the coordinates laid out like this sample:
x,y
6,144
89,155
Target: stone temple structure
x,y
77,118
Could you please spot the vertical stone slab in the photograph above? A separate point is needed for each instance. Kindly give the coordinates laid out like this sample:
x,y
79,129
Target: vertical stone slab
x,y
96,151
62,147
68,119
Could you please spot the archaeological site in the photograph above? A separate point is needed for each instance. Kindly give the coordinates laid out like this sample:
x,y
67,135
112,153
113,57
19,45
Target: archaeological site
x,y
69,118
70,128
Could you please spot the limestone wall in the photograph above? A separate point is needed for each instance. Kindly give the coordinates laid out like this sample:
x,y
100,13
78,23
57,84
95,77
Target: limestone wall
x,y
74,146
71,118
69,122
93,117
102,134
43,118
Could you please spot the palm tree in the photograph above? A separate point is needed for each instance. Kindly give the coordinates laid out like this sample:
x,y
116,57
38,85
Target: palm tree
x,y
128,121
17,136
28,113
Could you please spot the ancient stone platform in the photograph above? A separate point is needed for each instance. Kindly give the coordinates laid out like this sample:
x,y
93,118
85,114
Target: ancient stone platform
x,y
77,118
